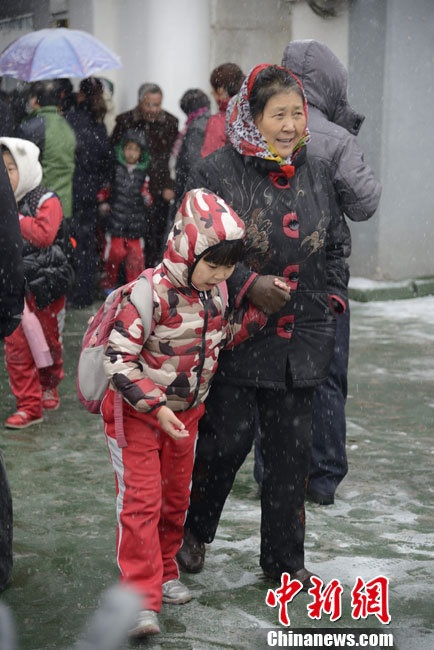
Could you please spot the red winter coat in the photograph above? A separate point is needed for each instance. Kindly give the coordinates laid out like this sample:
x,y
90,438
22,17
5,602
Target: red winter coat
x,y
215,132
175,365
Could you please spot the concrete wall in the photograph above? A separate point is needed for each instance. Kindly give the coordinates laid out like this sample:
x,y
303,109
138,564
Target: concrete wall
x,y
248,32
39,8
394,81
162,42
367,35
332,31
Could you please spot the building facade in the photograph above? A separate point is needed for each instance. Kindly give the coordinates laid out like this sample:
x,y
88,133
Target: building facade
x,y
387,45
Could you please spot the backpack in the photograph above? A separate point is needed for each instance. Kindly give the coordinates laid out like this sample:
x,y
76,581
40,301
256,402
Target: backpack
x,y
92,381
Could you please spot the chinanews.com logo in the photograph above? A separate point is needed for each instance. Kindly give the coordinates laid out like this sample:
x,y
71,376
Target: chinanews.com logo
x,y
368,599
327,639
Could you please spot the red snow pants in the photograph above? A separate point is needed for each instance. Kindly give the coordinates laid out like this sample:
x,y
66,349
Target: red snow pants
x,y
118,249
26,380
153,480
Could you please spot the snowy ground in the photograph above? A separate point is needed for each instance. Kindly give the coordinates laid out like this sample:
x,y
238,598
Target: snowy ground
x,y
382,521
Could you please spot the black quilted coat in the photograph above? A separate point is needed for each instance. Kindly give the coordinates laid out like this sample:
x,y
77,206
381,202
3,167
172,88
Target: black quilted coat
x,y
293,229
128,214
47,270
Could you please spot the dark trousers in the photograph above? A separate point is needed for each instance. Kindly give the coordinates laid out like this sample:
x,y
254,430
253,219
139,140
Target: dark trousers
x,y
6,526
329,458
226,434
82,226
156,231
328,465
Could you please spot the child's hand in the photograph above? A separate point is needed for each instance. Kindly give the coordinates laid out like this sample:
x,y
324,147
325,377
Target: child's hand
x,y
171,424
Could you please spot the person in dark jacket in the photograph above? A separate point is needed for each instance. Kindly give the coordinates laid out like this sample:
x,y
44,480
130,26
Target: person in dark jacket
x,y
68,98
125,211
94,162
11,259
195,104
55,139
7,126
11,307
160,129
334,126
48,275
294,232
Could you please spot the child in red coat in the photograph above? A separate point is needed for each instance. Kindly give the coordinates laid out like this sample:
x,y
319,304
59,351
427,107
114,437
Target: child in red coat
x,y
33,375
164,381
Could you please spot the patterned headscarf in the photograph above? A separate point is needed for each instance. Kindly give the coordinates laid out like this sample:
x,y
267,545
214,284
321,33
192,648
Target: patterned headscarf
x,y
245,136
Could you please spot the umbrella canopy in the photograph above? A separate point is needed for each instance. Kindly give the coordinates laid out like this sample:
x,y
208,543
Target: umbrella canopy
x,y
55,53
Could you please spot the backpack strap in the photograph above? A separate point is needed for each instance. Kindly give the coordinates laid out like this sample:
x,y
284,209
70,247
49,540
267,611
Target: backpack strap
x,y
142,298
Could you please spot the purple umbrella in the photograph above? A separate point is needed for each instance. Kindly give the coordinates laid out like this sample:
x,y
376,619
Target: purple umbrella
x,y
55,53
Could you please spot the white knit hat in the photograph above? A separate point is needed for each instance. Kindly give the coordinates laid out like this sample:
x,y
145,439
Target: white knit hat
x,y
26,156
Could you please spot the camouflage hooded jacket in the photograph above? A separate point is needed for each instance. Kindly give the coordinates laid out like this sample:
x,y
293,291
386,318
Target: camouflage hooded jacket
x,y
175,365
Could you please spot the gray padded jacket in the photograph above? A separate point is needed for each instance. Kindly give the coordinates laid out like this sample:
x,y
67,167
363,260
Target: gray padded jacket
x,y
333,125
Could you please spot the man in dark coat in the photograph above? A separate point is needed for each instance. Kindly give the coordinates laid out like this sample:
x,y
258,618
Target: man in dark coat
x,y
11,308
160,129
333,125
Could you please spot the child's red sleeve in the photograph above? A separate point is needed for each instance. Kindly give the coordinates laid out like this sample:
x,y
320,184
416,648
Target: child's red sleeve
x,y
245,321
41,230
124,365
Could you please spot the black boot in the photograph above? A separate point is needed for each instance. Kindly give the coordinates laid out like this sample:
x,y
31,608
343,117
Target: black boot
x,y
191,555
303,575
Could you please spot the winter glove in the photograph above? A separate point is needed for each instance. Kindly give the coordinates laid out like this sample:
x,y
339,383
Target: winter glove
x,y
268,295
147,196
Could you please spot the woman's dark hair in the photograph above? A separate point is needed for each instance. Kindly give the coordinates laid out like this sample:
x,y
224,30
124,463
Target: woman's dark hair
x,y
46,92
193,99
228,76
269,82
68,98
225,253
94,102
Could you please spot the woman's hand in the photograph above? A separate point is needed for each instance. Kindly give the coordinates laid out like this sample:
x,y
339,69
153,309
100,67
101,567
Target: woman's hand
x,y
171,424
269,293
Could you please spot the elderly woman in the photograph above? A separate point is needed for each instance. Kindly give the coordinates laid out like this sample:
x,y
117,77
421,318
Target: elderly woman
x,y
293,231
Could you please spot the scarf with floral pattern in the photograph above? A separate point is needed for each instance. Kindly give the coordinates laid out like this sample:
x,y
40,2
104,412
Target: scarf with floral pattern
x,y
245,136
